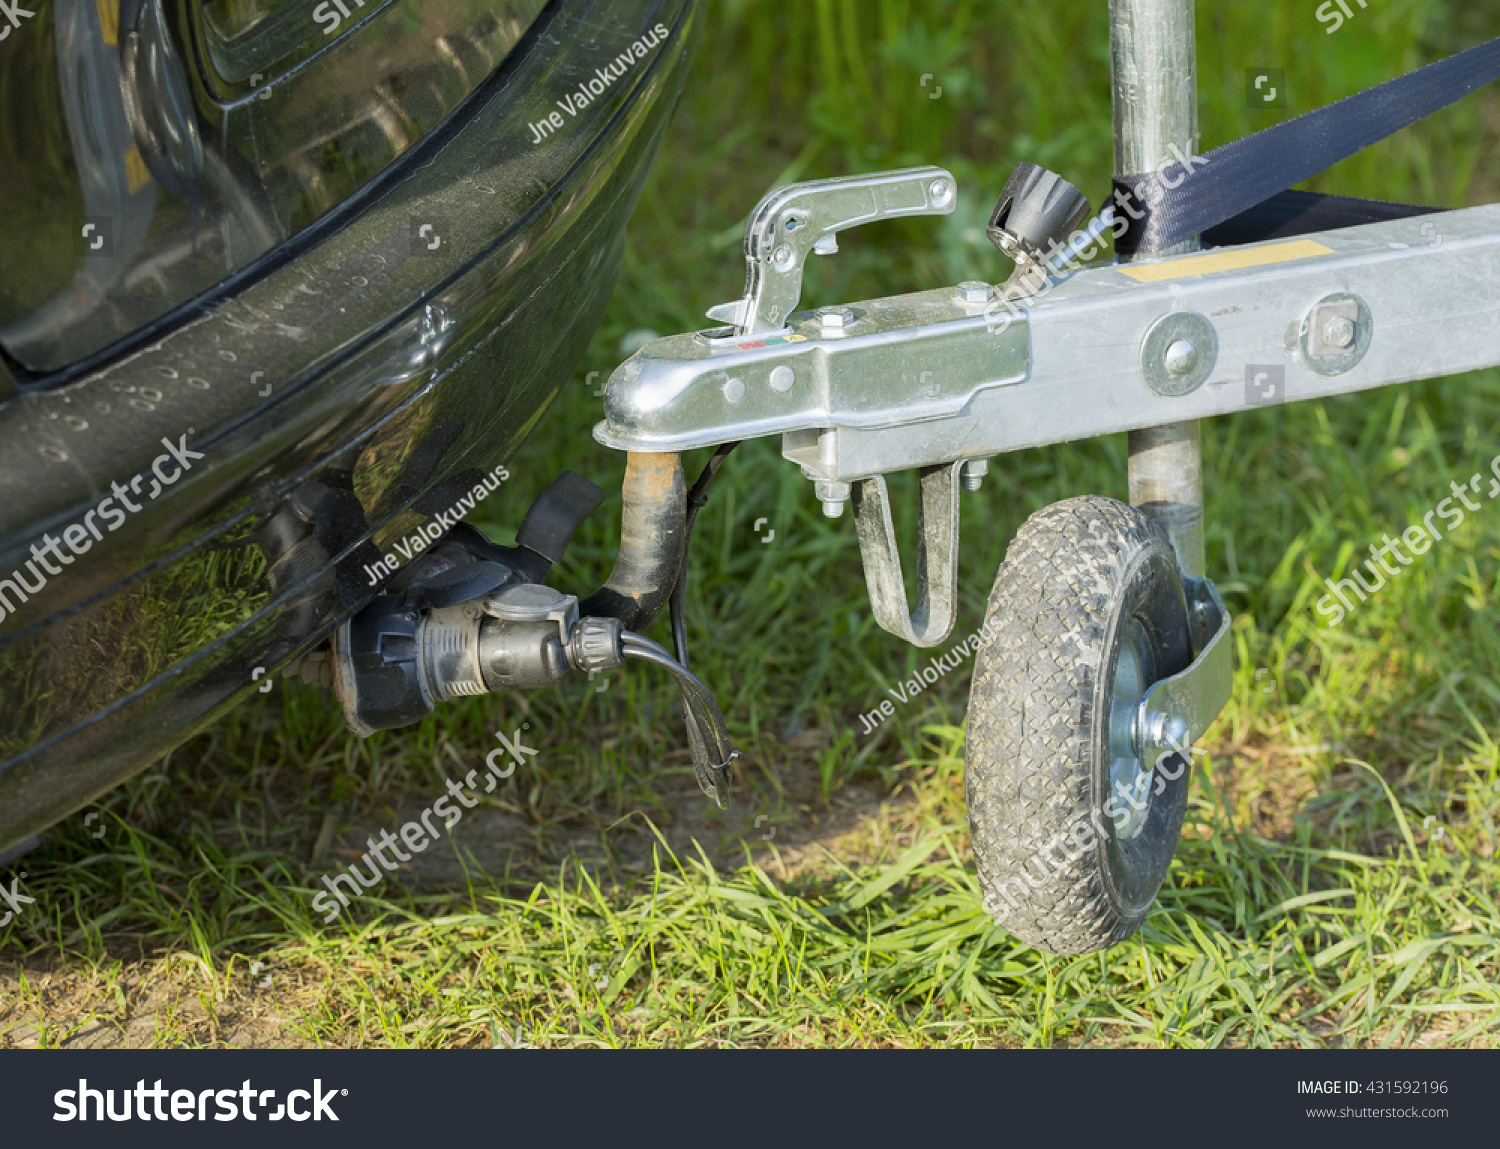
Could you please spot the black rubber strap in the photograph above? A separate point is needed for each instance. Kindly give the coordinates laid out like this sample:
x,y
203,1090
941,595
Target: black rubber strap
x,y
1299,213
1190,196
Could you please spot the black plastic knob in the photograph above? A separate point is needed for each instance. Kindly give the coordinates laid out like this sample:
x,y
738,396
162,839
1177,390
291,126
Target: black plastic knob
x,y
1037,210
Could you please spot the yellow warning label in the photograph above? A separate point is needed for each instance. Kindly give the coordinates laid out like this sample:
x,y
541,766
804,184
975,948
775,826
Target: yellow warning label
x,y
137,175
109,19
1236,259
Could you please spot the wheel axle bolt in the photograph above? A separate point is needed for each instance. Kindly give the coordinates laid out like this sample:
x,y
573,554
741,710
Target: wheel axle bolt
x,y
1161,733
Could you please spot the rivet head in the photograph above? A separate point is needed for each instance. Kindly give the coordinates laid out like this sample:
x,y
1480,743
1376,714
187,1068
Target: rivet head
x,y
1181,358
734,390
782,378
1178,353
782,255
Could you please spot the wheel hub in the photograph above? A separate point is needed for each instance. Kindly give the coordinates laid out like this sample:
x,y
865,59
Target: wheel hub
x,y
1130,771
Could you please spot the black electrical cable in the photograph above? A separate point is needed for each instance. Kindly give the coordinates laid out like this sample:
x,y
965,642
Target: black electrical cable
x,y
697,498
707,736
698,695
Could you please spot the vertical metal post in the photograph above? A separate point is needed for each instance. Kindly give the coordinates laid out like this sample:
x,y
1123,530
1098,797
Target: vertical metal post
x,y
1153,67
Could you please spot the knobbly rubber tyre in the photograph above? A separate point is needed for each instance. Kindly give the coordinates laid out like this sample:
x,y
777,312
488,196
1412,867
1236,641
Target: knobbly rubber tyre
x,y
1055,870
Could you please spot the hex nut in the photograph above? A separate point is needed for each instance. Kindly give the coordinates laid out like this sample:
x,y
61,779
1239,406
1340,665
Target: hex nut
x,y
972,293
833,496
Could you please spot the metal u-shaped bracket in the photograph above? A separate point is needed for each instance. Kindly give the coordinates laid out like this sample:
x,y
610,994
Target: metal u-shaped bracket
x,y
937,556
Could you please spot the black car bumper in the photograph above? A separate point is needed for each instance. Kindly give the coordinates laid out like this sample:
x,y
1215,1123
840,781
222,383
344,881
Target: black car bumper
x,y
349,387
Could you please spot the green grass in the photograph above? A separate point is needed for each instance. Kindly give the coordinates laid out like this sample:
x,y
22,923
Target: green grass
x,y
1337,882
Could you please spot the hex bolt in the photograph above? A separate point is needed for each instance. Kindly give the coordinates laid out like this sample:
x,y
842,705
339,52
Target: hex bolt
x,y
1181,358
1335,334
833,496
834,318
972,292
1339,331
973,474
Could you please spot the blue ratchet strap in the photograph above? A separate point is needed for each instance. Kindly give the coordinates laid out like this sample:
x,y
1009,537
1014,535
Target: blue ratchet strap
x,y
1243,185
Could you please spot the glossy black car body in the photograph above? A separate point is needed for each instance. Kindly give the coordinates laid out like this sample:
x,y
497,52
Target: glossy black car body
x,y
302,361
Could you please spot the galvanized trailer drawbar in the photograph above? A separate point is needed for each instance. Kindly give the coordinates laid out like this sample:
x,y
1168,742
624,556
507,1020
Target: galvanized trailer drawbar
x,y
1111,656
